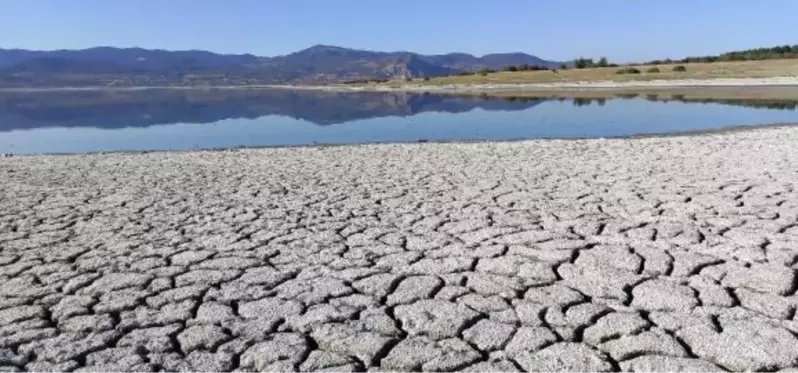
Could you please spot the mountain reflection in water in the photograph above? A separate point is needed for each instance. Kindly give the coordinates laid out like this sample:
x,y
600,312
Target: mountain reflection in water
x,y
112,109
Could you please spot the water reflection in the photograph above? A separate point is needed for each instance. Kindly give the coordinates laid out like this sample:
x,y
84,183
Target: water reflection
x,y
118,109
88,121
142,108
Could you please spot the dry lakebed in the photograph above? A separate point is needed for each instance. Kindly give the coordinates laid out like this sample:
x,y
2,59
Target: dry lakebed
x,y
664,254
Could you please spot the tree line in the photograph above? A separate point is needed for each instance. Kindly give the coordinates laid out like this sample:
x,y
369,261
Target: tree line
x,y
758,54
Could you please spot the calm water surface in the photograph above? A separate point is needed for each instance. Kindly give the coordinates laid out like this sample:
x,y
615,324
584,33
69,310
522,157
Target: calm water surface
x,y
89,121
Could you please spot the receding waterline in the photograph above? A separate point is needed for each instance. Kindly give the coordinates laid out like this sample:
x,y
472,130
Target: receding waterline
x,y
183,120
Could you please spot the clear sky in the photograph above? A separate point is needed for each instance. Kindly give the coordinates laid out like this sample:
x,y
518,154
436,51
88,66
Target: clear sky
x,y
622,30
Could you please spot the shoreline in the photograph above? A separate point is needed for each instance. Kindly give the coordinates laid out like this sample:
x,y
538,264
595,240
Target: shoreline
x,y
640,136
774,82
779,81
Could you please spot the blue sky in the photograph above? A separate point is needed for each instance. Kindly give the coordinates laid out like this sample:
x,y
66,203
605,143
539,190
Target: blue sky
x,y
622,30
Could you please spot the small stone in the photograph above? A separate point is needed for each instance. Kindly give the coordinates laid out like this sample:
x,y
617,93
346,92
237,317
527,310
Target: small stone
x,y
319,360
271,308
529,339
213,313
667,364
434,318
772,279
662,295
207,337
765,303
414,288
349,340
493,366
87,323
564,357
646,343
422,353
743,345
488,335
378,285
204,361
16,314
286,348
614,325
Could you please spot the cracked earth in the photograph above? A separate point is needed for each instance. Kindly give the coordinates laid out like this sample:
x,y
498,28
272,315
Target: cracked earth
x,y
604,255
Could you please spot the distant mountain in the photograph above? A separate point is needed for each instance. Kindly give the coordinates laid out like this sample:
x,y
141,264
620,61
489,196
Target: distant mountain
x,y
109,66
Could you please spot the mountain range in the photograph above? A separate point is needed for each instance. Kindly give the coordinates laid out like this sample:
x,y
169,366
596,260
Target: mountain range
x,y
110,66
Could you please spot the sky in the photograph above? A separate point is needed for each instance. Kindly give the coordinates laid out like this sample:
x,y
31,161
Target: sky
x,y
621,30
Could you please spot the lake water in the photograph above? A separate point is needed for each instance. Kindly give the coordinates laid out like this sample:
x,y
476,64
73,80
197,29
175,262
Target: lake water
x,y
90,121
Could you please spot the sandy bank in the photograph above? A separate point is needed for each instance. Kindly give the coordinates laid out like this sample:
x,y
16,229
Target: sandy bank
x,y
601,85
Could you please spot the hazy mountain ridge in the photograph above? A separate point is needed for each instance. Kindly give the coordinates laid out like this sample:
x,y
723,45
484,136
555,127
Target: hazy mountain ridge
x,y
317,64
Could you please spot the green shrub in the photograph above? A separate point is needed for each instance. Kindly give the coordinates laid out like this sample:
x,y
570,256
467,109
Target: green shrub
x,y
563,67
653,70
679,68
426,78
408,79
628,70
583,63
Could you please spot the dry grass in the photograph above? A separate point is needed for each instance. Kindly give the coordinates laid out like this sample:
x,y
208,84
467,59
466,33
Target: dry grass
x,y
741,69
691,93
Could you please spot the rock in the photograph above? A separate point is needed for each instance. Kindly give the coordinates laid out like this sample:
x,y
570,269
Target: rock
x,y
87,323
710,293
614,325
598,280
493,366
414,288
667,364
439,266
772,279
488,335
15,314
646,343
67,346
435,318
156,339
271,308
566,357
662,295
285,348
378,285
422,353
213,313
529,339
203,361
530,314
8,357
323,360
348,340
767,304
743,345
206,337
44,366
115,281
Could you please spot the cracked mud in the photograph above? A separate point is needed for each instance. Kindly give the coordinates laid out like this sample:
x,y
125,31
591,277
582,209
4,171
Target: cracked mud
x,y
604,255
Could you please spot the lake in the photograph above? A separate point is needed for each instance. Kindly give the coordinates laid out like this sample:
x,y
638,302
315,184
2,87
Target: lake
x,y
92,121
